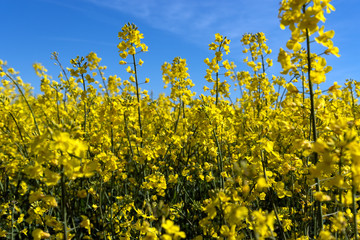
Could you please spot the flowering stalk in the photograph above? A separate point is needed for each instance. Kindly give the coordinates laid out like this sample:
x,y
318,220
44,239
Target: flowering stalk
x,y
313,123
131,41
25,99
55,56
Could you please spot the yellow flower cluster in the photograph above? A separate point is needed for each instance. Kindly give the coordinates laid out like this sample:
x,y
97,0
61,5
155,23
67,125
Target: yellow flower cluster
x,y
220,45
303,17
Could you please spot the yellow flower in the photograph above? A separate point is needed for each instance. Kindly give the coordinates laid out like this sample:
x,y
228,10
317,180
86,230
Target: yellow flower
x,y
293,44
24,231
325,235
35,196
333,50
320,146
237,214
218,37
132,51
281,192
324,37
173,229
261,183
166,237
3,233
285,60
227,232
51,178
320,196
123,54
24,188
38,234
51,201
85,223
262,196
35,172
82,193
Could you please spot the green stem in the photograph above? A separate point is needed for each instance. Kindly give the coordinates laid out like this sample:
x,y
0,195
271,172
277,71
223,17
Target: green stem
x,y
313,123
101,206
354,210
272,197
57,106
27,103
63,203
84,86
128,135
55,56
138,99
12,220
220,158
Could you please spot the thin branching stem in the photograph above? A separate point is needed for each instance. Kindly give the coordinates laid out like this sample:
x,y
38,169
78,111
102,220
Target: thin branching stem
x,y
26,101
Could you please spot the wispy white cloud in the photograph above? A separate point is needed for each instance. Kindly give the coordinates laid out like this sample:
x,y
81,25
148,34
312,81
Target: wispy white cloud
x,y
200,19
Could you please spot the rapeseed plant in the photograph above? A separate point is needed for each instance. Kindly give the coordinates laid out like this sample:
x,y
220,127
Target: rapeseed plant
x,y
94,157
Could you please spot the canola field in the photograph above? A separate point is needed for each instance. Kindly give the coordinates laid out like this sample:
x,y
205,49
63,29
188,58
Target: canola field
x,y
95,157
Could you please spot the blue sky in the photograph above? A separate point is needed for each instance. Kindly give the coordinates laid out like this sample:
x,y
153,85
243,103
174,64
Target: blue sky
x,y
33,29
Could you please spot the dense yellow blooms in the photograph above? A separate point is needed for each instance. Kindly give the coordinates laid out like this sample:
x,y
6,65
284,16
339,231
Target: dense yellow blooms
x,y
94,157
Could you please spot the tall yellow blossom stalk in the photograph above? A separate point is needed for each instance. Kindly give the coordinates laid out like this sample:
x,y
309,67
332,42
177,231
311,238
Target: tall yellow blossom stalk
x,y
303,17
131,41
